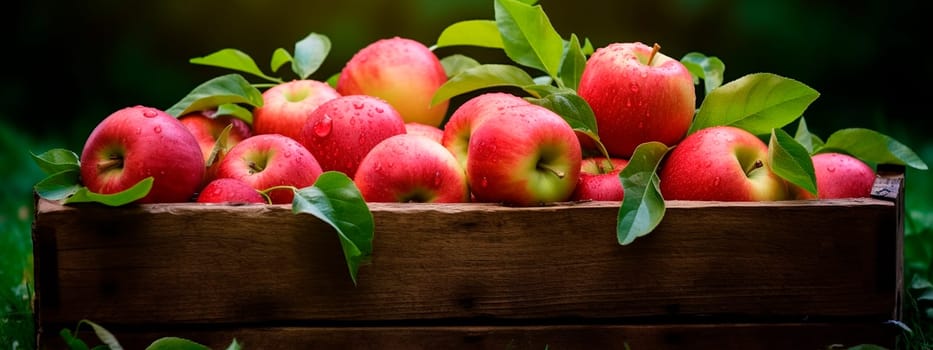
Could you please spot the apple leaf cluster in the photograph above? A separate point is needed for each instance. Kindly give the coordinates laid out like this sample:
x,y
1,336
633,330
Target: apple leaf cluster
x,y
309,53
110,342
333,198
62,182
760,103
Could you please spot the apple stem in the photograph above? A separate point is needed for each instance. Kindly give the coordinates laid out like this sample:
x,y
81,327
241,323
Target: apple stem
x,y
254,168
560,174
113,162
265,192
758,164
654,51
605,167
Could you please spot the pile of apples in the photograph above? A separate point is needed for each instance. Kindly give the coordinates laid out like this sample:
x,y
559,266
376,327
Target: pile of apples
x,y
378,125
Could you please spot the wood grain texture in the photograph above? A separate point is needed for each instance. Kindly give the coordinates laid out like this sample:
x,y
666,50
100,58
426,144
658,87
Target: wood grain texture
x,y
781,336
196,264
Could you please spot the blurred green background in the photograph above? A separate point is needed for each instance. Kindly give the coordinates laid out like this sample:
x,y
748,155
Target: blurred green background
x,y
70,64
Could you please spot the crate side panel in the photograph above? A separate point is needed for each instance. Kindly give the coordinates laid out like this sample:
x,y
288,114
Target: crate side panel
x,y
196,264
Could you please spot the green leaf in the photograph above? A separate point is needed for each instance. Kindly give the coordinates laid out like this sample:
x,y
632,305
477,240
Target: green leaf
x,y
588,47
529,38
710,69
73,342
57,160
279,58
230,88
572,64
130,195
219,146
310,53
175,343
456,64
59,185
873,147
572,108
335,200
791,161
332,81
575,111
234,345
809,140
539,90
104,335
484,76
755,102
543,80
867,347
642,206
235,60
482,33
235,111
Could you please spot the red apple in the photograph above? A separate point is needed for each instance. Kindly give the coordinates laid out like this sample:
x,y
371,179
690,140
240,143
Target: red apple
x,y
411,168
637,95
527,156
401,71
431,132
229,190
286,106
721,163
206,128
136,142
599,180
341,131
839,175
269,160
471,114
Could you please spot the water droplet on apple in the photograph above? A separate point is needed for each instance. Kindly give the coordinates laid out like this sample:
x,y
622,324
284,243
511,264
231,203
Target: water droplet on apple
x,y
323,127
628,102
484,182
157,129
379,110
358,105
150,113
716,181
139,131
633,86
437,178
831,169
287,154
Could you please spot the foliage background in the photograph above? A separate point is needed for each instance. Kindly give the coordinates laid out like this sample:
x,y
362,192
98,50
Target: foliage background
x,y
70,64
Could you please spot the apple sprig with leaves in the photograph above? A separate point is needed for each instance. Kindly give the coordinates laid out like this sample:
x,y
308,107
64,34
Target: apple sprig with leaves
x,y
309,53
232,94
763,104
333,198
110,342
528,38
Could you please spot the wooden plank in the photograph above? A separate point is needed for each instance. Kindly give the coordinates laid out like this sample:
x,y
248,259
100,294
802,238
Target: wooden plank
x,y
194,263
780,336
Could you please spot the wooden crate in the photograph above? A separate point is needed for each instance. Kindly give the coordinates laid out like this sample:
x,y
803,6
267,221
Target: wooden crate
x,y
779,275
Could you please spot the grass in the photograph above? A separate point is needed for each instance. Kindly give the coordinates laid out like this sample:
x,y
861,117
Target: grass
x,y
16,271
